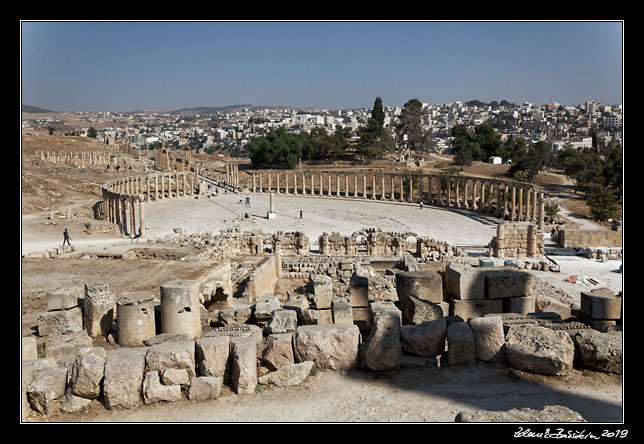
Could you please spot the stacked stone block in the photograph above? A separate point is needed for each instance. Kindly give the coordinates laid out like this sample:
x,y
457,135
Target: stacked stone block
x,y
64,314
478,291
601,309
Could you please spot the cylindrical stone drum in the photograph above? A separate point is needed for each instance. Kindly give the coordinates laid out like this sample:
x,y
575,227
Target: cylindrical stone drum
x,y
180,308
135,317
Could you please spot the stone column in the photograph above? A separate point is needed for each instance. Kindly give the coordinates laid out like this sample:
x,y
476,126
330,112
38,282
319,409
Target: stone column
x,y
126,216
183,178
286,184
147,188
532,241
521,203
254,182
542,207
117,211
261,189
141,219
513,214
449,191
382,187
528,206
364,186
295,190
321,185
132,217
410,198
475,205
346,185
337,190
498,200
277,183
269,181
303,184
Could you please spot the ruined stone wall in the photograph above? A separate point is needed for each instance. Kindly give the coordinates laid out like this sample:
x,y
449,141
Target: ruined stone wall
x,y
589,238
263,279
518,239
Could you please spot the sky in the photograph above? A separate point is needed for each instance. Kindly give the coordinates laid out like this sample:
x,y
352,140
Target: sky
x,y
131,65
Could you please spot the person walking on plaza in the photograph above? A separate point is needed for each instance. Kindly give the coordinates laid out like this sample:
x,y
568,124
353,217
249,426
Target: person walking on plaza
x,y
421,204
300,214
66,237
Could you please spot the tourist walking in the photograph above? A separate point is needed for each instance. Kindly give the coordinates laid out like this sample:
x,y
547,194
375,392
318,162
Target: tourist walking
x,y
300,214
421,204
66,237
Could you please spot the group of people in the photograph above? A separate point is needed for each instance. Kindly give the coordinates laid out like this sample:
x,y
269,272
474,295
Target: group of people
x,y
247,200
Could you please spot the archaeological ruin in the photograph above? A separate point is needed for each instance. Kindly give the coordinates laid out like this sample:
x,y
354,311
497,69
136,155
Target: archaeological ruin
x,y
361,301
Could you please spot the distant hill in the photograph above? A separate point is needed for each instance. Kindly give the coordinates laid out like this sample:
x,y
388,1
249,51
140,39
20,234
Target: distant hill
x,y
34,109
205,110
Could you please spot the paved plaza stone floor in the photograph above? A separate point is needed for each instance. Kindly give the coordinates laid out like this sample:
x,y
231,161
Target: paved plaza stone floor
x,y
319,214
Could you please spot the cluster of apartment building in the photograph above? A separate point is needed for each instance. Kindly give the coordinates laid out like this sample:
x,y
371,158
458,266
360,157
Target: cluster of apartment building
x,y
211,131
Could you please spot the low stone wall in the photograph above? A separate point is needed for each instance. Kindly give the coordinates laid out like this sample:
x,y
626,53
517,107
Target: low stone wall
x,y
589,238
169,368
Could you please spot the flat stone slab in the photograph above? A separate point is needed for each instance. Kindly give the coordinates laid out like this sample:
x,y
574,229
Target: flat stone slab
x,y
550,413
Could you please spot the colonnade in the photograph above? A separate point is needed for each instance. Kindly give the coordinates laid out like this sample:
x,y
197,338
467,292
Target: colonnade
x,y
510,200
123,199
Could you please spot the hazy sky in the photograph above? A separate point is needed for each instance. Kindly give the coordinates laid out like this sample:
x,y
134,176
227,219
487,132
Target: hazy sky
x,y
125,66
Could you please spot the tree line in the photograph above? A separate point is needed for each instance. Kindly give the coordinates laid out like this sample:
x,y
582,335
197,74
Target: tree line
x,y
375,139
596,171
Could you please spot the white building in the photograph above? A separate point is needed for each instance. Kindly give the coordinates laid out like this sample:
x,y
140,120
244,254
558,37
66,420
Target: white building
x,y
577,144
495,160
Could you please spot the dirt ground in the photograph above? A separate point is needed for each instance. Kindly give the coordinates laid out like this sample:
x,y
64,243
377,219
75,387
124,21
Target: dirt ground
x,y
419,391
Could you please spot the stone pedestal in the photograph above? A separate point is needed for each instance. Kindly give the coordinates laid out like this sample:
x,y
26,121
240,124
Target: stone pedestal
x,y
180,308
98,310
135,317
271,212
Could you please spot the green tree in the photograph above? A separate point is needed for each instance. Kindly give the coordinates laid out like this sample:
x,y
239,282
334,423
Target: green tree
x,y
374,141
602,203
489,141
463,144
91,132
409,124
613,169
378,112
513,147
533,160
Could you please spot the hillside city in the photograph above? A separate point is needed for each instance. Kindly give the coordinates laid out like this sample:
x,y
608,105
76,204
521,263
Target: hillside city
x,y
228,130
